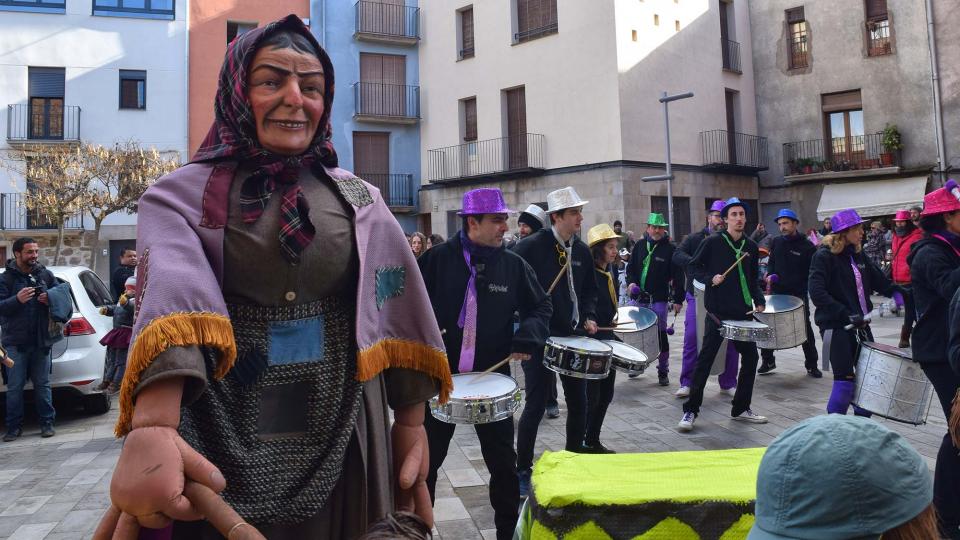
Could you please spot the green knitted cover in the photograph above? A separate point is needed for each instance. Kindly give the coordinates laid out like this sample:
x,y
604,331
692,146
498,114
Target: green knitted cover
x,y
707,495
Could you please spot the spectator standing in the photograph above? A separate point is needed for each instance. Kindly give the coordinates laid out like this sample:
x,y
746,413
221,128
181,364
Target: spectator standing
x,y
827,228
905,234
875,247
128,263
418,244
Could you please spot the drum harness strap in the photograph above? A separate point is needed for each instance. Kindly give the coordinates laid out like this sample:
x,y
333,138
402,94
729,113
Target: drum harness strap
x,y
613,293
861,294
743,276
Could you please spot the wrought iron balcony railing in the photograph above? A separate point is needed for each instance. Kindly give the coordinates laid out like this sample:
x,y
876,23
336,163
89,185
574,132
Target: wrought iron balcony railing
x,y
393,23
396,189
730,50
387,102
43,120
502,156
731,151
15,216
853,153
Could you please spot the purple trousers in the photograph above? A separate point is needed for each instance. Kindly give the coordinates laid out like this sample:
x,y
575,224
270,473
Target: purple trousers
x,y
660,308
727,379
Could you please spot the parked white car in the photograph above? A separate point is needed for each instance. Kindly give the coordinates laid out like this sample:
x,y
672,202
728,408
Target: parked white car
x,y
78,358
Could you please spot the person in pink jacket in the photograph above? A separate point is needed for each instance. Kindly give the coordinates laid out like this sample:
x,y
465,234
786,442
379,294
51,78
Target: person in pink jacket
x,y
905,234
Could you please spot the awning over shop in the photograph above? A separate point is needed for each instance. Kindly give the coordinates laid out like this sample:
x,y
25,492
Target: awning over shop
x,y
872,198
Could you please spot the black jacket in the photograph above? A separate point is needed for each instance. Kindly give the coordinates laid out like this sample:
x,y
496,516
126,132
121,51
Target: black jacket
x,y
606,306
790,258
24,324
833,288
118,280
714,257
505,284
935,279
685,252
664,277
540,251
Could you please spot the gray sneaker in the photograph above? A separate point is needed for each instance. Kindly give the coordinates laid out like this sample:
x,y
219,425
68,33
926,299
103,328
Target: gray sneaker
x,y
47,431
686,422
13,435
750,416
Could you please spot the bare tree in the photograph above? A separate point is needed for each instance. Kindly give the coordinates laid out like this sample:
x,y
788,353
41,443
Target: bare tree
x,y
121,175
59,179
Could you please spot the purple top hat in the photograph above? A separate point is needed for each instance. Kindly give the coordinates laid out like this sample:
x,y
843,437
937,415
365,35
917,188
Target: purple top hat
x,y
717,205
845,219
484,201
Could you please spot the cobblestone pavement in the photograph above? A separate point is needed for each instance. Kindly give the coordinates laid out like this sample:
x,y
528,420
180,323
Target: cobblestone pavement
x,y
58,488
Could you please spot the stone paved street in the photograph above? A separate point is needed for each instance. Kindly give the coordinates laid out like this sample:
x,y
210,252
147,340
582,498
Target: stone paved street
x,y
58,488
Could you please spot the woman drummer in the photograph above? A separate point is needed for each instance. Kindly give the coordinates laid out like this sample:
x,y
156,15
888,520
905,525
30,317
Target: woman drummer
x,y
603,246
841,281
935,274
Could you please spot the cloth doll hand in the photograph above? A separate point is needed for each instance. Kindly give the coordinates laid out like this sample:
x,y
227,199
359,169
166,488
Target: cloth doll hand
x,y
411,464
148,484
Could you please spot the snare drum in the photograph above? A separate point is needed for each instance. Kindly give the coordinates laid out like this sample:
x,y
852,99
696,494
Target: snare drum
x,y
785,315
746,331
890,384
478,399
637,327
627,359
580,357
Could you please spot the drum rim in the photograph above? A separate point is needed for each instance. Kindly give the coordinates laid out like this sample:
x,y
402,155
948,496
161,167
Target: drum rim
x,y
905,354
772,298
628,309
575,349
498,377
632,348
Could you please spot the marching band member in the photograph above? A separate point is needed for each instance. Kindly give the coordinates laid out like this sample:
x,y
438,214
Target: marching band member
x,y
494,283
730,297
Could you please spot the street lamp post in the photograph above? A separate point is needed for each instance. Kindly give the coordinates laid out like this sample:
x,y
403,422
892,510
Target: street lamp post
x,y
665,99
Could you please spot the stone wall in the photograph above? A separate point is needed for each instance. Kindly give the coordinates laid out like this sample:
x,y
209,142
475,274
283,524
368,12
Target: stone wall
x,y
77,246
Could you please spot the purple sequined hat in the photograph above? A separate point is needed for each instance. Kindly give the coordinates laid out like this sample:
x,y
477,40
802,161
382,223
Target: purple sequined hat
x,y
717,205
484,201
845,219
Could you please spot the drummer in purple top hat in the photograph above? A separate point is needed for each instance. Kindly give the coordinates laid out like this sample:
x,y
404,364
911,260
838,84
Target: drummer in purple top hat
x,y
475,286
681,257
841,281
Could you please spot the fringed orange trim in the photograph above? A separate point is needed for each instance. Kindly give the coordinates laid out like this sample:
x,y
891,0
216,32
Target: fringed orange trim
x,y
954,421
175,330
399,353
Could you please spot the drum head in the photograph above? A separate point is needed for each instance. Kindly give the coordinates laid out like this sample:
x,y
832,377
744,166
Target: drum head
x,y
634,319
579,343
906,354
622,350
481,386
745,324
779,303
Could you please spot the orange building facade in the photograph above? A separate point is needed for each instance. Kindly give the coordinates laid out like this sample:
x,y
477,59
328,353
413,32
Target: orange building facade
x,y
212,24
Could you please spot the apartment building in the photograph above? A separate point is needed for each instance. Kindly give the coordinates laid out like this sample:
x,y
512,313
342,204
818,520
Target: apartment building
x,y
533,95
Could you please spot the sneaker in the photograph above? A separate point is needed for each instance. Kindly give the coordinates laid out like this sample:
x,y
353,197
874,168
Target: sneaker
x,y
686,423
633,375
729,391
12,435
682,392
663,380
47,431
553,411
524,483
767,368
750,416
815,373
596,447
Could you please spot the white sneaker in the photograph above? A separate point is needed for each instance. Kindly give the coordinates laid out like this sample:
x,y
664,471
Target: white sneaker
x,y
752,417
683,391
728,391
686,423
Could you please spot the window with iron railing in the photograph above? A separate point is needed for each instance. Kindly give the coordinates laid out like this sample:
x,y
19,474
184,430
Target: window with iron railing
x,y
535,18
878,28
798,39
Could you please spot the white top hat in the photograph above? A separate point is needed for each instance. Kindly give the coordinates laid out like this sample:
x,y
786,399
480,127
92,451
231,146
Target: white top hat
x,y
562,199
537,212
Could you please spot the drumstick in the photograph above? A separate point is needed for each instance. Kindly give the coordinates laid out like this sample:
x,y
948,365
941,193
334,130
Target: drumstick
x,y
735,263
492,368
219,514
556,280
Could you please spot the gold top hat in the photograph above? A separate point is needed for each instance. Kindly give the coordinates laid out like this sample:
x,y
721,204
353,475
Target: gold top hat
x,y
600,233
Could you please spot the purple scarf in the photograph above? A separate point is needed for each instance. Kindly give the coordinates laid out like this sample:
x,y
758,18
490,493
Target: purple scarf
x,y
473,255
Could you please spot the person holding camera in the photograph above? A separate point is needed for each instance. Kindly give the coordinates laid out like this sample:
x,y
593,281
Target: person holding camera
x,y
654,280
24,317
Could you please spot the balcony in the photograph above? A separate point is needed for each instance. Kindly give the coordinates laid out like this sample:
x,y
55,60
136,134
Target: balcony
x,y
735,153
46,122
506,156
840,157
386,103
397,190
387,23
730,50
14,216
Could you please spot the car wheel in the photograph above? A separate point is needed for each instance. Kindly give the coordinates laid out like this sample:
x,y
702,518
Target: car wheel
x,y
97,403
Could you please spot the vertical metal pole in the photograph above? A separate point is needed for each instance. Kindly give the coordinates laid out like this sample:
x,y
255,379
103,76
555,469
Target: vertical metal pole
x,y
666,123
